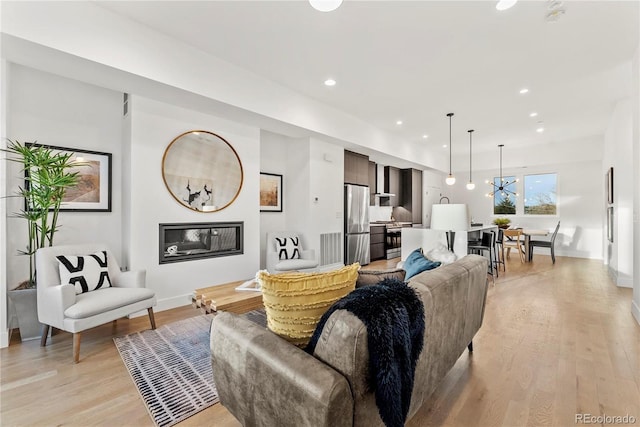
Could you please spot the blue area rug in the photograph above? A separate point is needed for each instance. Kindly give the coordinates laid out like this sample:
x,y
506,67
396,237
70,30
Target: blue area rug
x,y
171,366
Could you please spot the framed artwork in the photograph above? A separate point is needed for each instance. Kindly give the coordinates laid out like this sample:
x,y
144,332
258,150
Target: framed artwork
x,y
270,192
610,223
609,185
93,192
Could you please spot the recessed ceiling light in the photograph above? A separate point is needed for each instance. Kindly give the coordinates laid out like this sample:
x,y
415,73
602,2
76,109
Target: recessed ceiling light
x,y
505,4
444,146
329,82
524,90
540,130
534,114
399,122
425,136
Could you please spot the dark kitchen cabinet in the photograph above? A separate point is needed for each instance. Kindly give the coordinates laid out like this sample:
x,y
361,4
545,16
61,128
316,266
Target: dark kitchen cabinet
x,y
411,194
356,168
377,235
391,185
373,179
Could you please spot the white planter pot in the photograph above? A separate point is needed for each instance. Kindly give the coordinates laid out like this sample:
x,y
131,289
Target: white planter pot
x,y
24,303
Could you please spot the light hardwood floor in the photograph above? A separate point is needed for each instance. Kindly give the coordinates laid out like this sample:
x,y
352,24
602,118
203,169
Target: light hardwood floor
x,y
556,340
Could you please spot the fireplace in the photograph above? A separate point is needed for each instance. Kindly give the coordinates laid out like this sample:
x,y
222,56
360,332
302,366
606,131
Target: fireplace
x,y
197,240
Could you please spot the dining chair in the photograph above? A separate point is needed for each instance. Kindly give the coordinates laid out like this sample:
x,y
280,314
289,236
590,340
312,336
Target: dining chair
x,y
545,244
513,240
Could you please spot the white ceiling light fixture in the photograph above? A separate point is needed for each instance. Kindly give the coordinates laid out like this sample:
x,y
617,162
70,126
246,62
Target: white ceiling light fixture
x,y
505,4
325,5
425,136
524,90
399,122
534,114
540,130
329,82
450,179
503,187
470,184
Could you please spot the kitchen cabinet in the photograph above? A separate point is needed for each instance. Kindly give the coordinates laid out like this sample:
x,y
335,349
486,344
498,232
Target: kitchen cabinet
x,y
373,182
391,185
411,195
356,168
377,237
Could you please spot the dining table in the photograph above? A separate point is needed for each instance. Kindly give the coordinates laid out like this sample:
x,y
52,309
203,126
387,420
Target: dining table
x,y
528,232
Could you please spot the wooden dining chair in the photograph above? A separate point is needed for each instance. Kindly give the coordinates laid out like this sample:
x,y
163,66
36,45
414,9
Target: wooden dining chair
x,y
514,240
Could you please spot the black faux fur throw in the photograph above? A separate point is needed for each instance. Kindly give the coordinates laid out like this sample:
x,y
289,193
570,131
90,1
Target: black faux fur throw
x,y
394,317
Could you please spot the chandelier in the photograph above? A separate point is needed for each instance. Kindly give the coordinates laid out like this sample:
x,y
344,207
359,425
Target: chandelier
x,y
502,189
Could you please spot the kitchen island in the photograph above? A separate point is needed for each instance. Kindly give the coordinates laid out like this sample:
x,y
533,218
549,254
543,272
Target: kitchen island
x,y
427,239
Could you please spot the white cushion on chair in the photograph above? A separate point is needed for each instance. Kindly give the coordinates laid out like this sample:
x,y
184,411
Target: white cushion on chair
x,y
102,300
296,264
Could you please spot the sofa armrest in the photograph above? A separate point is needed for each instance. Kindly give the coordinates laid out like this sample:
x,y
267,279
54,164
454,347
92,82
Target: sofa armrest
x,y
131,279
308,254
265,381
53,301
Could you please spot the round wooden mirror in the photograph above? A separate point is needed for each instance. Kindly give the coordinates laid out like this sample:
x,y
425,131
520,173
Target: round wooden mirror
x,y
202,171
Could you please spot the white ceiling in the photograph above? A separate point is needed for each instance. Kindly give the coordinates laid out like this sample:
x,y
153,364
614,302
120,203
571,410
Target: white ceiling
x,y
418,60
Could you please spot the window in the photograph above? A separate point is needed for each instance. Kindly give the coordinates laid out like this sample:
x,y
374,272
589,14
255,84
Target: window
x,y
504,200
540,194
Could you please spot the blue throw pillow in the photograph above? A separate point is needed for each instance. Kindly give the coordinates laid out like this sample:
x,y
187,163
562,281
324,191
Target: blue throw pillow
x,y
416,263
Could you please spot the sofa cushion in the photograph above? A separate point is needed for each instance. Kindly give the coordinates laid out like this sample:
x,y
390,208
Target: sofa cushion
x,y
296,264
372,277
102,300
86,272
416,263
288,247
295,302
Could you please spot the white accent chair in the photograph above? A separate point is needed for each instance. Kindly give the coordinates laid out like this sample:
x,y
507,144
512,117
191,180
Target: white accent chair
x,y
60,307
306,263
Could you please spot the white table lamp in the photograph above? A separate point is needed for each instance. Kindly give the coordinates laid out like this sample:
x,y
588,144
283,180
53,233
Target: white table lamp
x,y
450,218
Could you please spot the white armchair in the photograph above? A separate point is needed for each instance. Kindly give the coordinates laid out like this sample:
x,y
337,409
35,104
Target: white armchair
x,y
59,305
307,261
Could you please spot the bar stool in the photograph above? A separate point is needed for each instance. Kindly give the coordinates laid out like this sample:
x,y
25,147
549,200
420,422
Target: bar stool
x,y
500,250
487,245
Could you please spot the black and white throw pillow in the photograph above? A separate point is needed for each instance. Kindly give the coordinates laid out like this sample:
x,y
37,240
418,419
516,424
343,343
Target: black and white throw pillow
x,y
87,273
288,247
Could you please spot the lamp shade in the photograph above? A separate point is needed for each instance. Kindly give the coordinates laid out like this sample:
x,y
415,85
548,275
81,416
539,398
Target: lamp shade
x,y
449,217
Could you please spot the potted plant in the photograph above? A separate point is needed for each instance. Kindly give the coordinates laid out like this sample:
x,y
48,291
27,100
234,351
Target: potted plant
x,y
502,222
48,175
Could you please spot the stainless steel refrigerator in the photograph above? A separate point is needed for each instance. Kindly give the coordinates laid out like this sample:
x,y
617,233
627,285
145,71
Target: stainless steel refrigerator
x,y
356,224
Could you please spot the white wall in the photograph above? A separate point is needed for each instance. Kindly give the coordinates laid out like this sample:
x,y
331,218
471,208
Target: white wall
x,y
273,155
580,195
635,96
618,145
58,111
326,190
153,126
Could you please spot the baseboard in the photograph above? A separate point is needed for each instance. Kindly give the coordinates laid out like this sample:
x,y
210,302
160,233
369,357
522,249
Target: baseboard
x,y
635,311
4,339
166,304
618,280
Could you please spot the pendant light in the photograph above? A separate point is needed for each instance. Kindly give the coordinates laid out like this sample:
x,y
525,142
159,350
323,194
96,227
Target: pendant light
x,y
470,184
503,187
325,5
450,179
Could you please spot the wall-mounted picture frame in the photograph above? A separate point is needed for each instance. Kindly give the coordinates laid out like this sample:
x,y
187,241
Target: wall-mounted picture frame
x,y
270,192
609,184
610,224
93,192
